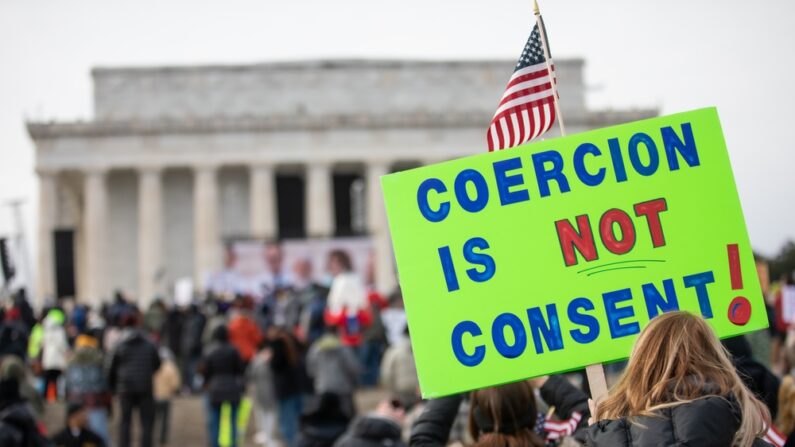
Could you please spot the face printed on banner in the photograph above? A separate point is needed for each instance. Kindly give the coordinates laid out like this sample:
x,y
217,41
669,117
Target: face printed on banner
x,y
229,258
553,256
274,258
302,270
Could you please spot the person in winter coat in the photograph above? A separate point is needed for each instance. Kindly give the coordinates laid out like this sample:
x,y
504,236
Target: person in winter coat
x,y
760,380
18,427
311,297
679,388
399,373
13,334
155,319
244,334
191,344
334,368
507,415
86,385
261,376
55,348
348,307
378,429
77,432
130,371
223,370
167,383
288,381
323,421
12,367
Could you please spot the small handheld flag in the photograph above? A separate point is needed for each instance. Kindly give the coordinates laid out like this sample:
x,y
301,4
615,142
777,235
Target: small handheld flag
x,y
527,108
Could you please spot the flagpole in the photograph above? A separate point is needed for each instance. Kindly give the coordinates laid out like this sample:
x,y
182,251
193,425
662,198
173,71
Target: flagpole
x,y
595,372
543,33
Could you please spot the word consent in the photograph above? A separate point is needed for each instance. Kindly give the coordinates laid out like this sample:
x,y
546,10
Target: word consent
x,y
509,333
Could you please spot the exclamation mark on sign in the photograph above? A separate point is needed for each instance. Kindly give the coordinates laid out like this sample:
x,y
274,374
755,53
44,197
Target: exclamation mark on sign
x,y
740,307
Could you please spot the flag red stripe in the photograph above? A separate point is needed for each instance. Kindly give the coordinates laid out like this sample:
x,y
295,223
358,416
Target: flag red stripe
x,y
528,105
529,76
525,92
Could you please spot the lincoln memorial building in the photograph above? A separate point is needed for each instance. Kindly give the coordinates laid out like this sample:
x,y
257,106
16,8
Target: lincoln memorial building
x,y
178,161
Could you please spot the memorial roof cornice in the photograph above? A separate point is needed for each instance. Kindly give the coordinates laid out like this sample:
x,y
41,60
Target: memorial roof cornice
x,y
320,64
459,120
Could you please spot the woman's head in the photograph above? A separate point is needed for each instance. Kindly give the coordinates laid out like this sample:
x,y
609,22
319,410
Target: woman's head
x,y
676,359
504,416
339,261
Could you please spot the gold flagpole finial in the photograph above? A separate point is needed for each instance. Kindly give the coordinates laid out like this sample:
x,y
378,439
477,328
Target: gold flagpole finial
x,y
535,8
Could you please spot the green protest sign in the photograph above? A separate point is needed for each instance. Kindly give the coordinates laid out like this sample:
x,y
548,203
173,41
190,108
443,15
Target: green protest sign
x,y
554,255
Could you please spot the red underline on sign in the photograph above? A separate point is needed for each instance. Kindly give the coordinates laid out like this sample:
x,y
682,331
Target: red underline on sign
x,y
601,268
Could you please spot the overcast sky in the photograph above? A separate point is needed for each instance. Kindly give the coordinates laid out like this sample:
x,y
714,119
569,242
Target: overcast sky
x,y
674,54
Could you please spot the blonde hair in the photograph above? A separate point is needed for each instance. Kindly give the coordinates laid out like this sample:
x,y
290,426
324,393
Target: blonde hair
x,y
678,359
786,405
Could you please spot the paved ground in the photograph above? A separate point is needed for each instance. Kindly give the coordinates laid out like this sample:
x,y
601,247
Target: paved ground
x,y
187,418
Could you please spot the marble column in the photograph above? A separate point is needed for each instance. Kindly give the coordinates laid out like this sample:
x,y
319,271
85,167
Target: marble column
x,y
207,253
95,222
150,233
319,201
385,279
262,194
45,256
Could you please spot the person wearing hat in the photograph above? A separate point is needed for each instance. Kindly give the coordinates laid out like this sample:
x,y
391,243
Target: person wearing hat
x,y
18,426
85,383
223,371
55,350
12,367
76,433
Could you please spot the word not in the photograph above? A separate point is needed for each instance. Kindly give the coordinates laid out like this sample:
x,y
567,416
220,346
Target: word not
x,y
581,320
582,240
472,191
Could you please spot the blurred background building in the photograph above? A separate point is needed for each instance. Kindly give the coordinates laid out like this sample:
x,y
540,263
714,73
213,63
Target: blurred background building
x,y
179,161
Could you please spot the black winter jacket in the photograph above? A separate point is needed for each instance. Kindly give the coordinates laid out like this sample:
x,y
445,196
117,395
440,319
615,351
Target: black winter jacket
x,y
224,374
432,428
288,379
372,431
324,421
18,427
132,365
708,422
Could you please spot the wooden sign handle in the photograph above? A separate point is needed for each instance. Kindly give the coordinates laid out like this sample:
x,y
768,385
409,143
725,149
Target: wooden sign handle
x,y
597,381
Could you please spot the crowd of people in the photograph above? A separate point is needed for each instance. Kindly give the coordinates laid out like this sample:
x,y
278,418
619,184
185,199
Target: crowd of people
x,y
292,361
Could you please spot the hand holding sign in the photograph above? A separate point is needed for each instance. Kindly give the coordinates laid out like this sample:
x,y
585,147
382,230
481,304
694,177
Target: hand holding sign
x,y
553,256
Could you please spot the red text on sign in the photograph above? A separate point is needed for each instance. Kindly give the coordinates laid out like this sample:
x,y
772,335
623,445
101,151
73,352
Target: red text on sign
x,y
617,231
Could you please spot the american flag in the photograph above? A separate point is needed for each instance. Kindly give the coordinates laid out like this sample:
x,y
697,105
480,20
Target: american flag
x,y
527,108
773,437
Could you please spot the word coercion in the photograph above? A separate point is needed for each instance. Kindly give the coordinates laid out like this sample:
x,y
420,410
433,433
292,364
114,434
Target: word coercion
x,y
472,192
